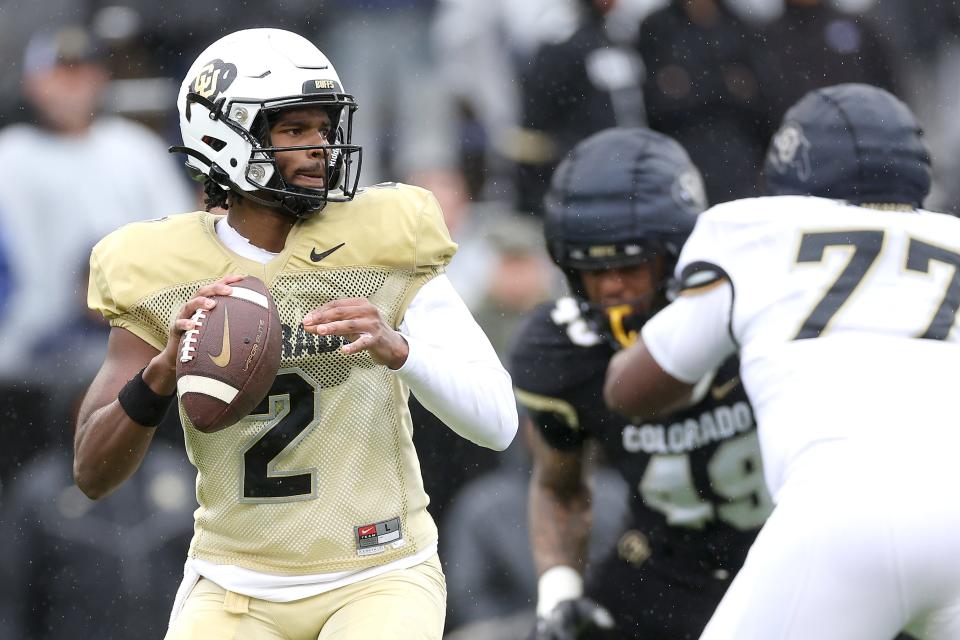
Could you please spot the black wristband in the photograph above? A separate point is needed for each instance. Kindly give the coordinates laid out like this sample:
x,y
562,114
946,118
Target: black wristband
x,y
139,402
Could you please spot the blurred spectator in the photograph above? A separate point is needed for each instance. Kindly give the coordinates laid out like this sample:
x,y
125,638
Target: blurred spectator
x,y
702,89
18,20
405,122
470,268
519,276
68,559
68,354
56,371
488,238
928,73
571,89
70,178
480,46
490,572
814,45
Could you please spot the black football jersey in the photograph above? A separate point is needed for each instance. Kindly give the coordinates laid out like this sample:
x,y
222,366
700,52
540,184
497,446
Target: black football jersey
x,y
698,496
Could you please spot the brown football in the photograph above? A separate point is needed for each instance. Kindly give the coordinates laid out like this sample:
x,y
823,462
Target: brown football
x,y
226,365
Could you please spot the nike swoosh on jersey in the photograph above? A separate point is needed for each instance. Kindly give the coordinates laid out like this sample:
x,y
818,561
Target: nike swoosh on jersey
x,y
222,359
721,391
317,257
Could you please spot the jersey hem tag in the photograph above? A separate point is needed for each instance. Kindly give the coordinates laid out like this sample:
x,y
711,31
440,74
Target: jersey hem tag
x,y
374,538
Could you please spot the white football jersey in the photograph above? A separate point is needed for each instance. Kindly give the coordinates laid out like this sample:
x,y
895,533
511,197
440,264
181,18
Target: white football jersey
x,y
844,316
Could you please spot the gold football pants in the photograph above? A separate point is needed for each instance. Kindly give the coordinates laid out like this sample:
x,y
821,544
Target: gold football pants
x,y
407,603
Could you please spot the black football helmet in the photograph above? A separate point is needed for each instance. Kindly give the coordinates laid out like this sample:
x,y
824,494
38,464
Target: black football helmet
x,y
621,197
852,142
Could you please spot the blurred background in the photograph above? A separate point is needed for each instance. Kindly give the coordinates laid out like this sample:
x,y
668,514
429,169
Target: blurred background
x,y
476,100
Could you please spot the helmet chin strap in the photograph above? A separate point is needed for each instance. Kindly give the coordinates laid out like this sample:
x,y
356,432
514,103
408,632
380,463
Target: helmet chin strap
x,y
290,200
291,205
300,205
297,206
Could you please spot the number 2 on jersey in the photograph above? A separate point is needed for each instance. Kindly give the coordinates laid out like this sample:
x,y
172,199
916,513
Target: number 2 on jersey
x,y
289,410
865,246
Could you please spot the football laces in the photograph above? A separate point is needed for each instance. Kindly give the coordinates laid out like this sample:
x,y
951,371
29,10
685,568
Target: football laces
x,y
189,344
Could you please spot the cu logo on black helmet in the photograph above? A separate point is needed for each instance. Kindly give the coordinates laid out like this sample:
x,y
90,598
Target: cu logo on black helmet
x,y
689,192
791,149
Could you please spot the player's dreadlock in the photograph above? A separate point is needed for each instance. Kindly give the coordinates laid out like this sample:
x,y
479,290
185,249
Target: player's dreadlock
x,y
214,195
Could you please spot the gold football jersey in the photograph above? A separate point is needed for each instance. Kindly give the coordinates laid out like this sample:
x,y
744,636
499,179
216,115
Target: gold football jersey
x,y
323,475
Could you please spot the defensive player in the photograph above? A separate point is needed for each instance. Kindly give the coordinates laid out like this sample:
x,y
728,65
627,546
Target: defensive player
x,y
312,520
840,294
618,210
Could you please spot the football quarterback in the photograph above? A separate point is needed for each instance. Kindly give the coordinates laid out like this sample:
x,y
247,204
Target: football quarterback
x,y
840,295
619,208
312,513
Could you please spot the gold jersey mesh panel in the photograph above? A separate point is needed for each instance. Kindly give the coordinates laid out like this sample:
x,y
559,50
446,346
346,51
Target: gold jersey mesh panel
x,y
323,473
329,451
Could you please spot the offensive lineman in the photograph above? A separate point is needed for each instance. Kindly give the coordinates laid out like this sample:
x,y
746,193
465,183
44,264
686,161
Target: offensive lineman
x,y
312,520
619,208
840,294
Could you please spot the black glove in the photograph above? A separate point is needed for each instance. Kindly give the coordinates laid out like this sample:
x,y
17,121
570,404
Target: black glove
x,y
573,619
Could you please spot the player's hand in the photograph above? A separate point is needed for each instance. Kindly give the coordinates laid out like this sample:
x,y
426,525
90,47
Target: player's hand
x,y
183,321
357,320
574,619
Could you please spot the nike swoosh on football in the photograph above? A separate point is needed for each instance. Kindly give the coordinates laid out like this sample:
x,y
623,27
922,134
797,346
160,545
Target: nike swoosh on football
x,y
721,391
223,358
317,257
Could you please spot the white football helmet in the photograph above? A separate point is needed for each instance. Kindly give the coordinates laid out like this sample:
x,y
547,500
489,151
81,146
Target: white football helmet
x,y
223,104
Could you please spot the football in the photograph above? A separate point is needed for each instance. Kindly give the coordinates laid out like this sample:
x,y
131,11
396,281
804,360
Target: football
x,y
226,365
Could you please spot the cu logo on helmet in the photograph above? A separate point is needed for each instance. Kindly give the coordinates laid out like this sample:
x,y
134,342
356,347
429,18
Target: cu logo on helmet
x,y
791,149
214,78
689,192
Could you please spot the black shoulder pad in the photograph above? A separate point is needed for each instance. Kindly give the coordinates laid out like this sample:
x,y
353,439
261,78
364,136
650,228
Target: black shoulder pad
x,y
555,432
544,358
556,420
